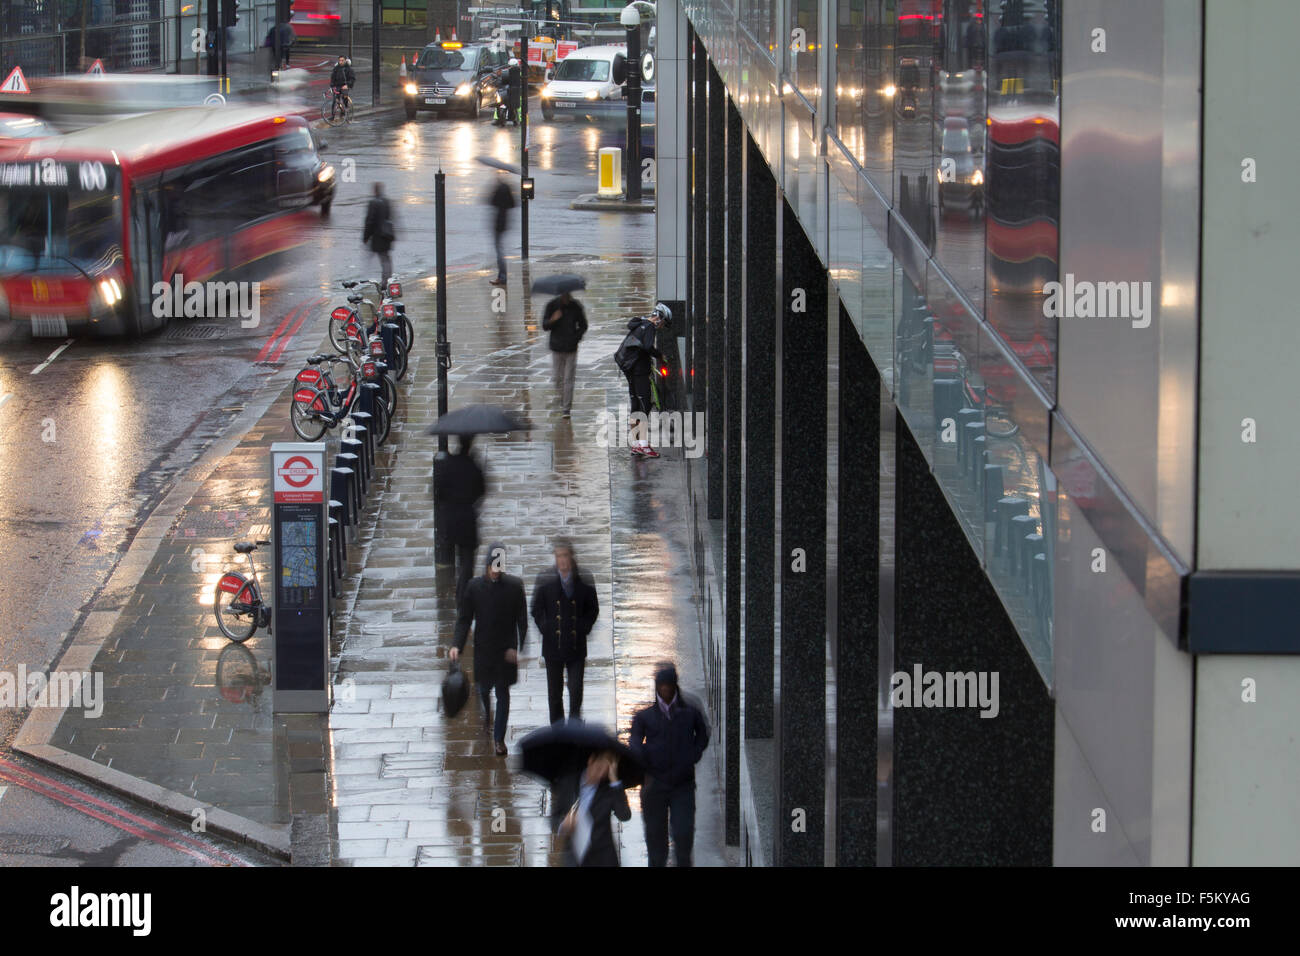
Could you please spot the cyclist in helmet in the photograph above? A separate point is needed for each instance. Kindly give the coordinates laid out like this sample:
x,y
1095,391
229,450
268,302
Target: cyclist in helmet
x,y
639,368
514,87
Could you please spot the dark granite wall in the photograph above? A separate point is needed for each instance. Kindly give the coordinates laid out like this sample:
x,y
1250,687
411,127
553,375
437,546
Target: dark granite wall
x,y
801,708
734,458
967,790
716,329
855,605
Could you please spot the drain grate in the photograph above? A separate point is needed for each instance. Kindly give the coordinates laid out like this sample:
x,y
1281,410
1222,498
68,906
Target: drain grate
x,y
411,765
197,332
18,844
210,524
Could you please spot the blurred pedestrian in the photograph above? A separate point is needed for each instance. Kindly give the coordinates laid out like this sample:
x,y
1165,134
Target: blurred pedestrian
x,y
380,231
669,737
497,608
514,90
590,834
502,200
458,487
565,607
636,358
566,320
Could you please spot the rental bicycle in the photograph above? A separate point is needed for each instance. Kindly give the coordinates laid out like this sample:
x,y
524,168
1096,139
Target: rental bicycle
x,y
238,603
319,405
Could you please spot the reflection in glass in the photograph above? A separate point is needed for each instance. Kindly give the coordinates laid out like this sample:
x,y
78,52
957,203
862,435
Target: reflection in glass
x,y
1023,175
804,52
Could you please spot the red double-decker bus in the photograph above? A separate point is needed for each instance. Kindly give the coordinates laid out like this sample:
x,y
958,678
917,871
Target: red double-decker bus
x,y
91,221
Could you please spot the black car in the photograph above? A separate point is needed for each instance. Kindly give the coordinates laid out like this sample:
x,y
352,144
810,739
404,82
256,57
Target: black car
x,y
454,76
304,179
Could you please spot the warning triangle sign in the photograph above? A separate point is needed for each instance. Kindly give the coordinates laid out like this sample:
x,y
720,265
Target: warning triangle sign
x,y
15,82
97,69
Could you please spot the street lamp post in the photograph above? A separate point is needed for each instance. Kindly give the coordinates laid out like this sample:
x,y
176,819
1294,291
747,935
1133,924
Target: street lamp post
x,y
443,550
630,18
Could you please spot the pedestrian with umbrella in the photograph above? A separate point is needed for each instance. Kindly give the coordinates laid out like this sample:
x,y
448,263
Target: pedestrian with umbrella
x,y
587,828
635,357
458,487
566,320
561,754
669,737
496,607
565,608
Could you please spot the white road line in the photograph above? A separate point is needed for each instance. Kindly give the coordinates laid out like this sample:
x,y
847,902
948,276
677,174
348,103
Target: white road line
x,y
53,355
2,792
5,397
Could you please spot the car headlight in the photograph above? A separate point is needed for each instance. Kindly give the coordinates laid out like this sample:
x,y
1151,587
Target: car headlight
x,y
326,174
110,292
977,177
464,89
593,95
546,91
411,89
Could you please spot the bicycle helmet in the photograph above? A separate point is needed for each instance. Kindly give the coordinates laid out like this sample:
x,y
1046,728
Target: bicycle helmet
x,y
664,314
513,62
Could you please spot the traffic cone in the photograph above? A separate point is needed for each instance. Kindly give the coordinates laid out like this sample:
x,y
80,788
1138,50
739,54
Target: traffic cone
x,y
453,34
437,36
401,71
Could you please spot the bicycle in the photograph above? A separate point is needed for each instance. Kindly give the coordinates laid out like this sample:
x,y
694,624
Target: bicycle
x,y
238,603
390,307
318,405
337,108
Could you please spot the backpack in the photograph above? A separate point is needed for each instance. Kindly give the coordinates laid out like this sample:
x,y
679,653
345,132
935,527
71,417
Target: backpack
x,y
628,352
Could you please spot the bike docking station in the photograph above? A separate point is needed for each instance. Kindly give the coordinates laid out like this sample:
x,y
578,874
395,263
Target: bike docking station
x,y
300,606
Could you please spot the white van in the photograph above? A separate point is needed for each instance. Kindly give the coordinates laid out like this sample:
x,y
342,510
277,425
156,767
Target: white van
x,y
583,83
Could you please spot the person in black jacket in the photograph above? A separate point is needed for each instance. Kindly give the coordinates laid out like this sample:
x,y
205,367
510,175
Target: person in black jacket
x,y
514,87
566,320
379,231
643,329
342,80
458,487
669,737
502,200
591,837
565,607
495,604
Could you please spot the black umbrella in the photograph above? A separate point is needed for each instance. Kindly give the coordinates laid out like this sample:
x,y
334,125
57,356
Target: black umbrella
x,y
455,691
476,420
558,284
499,164
563,748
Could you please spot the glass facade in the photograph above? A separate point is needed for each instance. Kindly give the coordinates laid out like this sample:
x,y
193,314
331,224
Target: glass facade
x,y
945,119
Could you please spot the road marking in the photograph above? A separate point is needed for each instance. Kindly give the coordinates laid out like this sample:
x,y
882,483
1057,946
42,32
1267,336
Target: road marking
x,y
288,336
53,355
2,792
270,343
5,397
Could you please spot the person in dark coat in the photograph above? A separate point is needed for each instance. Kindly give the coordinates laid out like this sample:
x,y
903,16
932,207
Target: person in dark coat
x,y
669,737
565,608
458,487
514,88
566,320
496,606
502,200
591,837
379,230
644,329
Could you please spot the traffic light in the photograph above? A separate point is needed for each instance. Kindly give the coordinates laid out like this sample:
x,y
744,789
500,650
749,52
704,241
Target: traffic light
x,y
229,12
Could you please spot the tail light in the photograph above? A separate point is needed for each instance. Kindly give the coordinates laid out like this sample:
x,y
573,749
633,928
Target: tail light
x,y
369,371
341,314
231,583
395,289
389,310
663,370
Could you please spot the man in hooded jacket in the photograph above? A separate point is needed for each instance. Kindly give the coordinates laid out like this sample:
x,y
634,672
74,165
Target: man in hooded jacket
x,y
669,737
497,608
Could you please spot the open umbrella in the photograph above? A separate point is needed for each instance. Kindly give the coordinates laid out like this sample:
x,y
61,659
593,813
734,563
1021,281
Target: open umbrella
x,y
500,164
477,420
563,748
558,284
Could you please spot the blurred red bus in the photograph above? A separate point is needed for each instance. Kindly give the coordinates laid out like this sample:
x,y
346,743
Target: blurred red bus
x,y
318,19
90,221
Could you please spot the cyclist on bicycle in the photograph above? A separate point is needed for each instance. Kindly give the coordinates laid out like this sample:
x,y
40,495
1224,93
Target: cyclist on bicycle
x,y
342,79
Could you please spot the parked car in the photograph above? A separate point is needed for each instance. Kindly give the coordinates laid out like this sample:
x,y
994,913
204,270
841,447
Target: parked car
x,y
583,83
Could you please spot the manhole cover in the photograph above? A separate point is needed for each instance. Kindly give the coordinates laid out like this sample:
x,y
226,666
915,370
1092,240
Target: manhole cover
x,y
197,332
410,765
502,854
210,524
32,845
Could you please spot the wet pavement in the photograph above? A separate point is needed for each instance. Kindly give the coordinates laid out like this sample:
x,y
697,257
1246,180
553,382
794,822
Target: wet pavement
x,y
189,712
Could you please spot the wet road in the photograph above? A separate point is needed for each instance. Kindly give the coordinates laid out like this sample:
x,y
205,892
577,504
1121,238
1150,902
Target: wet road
x,y
97,431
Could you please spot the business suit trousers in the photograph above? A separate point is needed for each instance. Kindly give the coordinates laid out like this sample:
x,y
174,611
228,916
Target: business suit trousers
x,y
503,706
564,365
658,805
555,687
